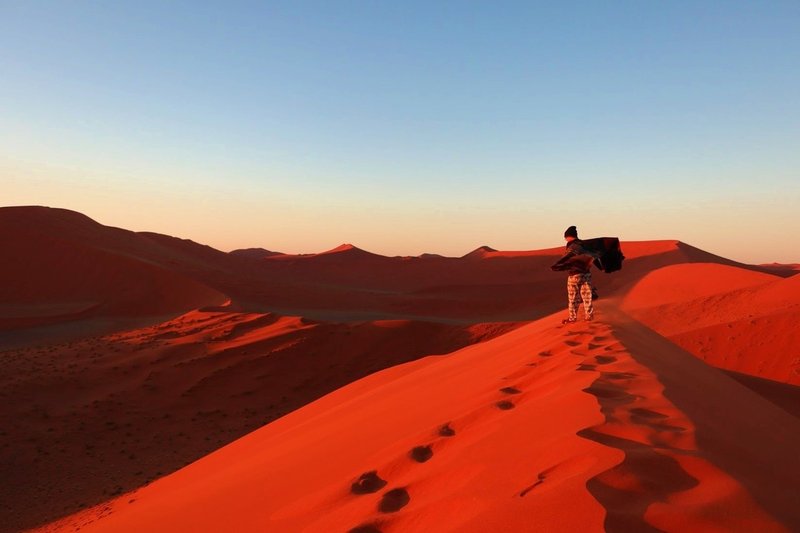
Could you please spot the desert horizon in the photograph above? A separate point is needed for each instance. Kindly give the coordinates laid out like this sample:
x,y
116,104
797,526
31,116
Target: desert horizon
x,y
179,387
399,267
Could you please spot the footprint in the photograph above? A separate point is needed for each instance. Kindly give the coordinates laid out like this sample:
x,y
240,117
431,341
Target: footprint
x,y
572,333
600,391
572,343
505,405
394,500
367,483
510,390
654,419
536,484
604,359
619,375
421,453
446,431
669,428
647,413
584,366
366,528
546,353
599,338
593,346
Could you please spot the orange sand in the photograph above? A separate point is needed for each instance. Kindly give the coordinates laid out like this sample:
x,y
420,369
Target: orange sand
x,y
732,318
351,391
544,428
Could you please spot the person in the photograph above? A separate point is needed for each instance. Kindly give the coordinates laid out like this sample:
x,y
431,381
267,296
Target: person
x,y
578,261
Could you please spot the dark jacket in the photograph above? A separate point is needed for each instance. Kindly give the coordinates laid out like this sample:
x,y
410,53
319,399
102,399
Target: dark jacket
x,y
604,252
577,260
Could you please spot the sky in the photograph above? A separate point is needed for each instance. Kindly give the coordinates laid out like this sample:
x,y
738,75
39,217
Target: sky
x,y
409,127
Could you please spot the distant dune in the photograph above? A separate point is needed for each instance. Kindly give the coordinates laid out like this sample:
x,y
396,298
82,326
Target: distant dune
x,y
255,253
687,282
350,391
732,318
785,270
65,266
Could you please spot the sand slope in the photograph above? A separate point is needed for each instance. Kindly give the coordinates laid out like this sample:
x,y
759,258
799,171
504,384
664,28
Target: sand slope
x,y
544,428
86,419
69,267
732,318
64,266
125,355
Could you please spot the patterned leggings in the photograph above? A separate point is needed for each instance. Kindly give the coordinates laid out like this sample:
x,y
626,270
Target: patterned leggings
x,y
579,287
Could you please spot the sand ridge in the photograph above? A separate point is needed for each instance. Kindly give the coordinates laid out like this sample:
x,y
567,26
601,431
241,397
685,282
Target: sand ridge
x,y
732,318
456,443
91,418
126,356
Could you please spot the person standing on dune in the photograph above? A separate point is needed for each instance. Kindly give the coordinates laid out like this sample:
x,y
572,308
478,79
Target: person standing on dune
x,y
578,260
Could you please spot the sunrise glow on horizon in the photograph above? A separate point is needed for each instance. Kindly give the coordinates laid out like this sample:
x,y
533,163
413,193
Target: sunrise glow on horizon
x,y
412,128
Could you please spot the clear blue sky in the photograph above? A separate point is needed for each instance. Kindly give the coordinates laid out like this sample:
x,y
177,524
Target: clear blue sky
x,y
409,127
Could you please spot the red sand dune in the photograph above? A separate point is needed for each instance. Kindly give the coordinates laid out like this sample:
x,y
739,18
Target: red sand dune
x,y
544,428
732,318
686,282
86,419
127,355
63,270
147,273
786,270
255,253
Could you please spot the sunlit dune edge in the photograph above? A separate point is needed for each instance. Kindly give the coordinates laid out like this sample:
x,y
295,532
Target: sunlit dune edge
x,y
732,318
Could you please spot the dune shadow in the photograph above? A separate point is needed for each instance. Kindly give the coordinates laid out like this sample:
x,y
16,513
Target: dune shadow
x,y
604,359
365,528
725,434
645,476
657,476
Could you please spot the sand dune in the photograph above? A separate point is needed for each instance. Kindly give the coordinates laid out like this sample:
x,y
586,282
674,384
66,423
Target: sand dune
x,y
732,318
127,355
544,428
255,253
84,420
686,282
63,269
786,270
56,252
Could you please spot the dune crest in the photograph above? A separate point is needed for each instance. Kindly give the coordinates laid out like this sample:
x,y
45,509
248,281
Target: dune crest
x,y
689,281
732,318
359,392
561,428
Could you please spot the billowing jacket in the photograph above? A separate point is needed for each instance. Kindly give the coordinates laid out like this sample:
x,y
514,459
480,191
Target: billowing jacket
x,y
577,260
604,252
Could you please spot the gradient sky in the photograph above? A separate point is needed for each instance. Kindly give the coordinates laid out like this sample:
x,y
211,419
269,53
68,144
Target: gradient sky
x,y
409,127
